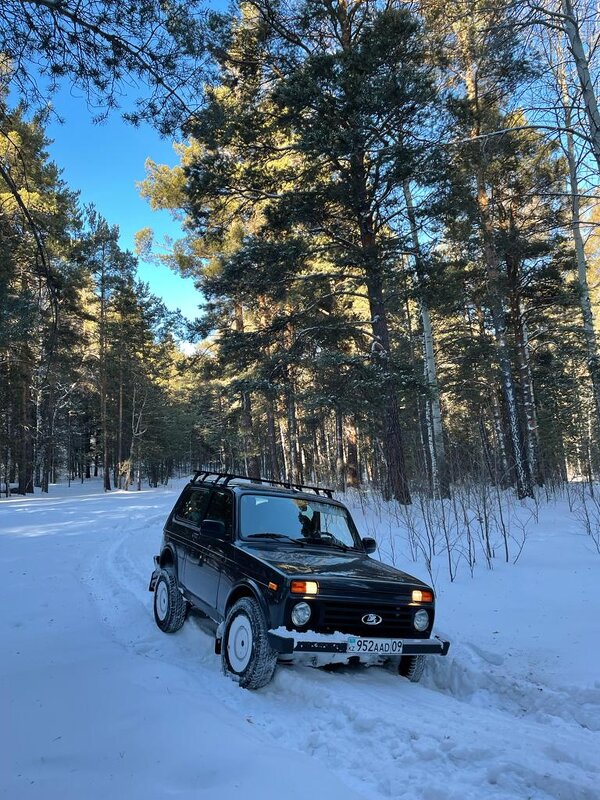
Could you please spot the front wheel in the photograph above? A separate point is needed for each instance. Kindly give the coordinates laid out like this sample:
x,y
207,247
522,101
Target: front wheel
x,y
411,667
169,605
246,652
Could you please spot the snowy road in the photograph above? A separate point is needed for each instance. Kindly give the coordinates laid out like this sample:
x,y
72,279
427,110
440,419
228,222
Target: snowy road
x,y
96,702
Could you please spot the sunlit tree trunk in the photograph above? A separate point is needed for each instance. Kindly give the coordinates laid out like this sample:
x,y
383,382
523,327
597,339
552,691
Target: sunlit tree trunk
x,y
572,29
593,359
120,424
284,450
272,440
352,469
247,427
439,467
495,297
103,376
292,429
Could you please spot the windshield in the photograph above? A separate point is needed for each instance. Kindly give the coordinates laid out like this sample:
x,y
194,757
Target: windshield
x,y
297,519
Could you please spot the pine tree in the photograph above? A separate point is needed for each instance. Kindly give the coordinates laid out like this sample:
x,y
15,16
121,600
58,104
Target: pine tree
x,y
36,212
326,124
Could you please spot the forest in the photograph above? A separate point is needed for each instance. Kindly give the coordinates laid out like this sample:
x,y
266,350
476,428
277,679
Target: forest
x,y
390,210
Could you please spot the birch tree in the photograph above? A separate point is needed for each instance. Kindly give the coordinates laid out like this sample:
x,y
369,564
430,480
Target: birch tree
x,y
488,64
440,474
565,99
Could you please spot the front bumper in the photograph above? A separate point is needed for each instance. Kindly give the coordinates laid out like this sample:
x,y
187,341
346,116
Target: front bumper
x,y
285,643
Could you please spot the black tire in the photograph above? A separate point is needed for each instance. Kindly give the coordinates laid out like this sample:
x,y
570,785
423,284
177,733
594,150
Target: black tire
x,y
169,604
412,667
246,653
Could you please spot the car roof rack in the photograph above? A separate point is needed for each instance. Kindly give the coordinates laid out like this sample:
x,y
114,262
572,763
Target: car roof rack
x,y
223,479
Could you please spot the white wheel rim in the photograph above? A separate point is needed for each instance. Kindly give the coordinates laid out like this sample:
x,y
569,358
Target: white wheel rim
x,y
162,600
239,643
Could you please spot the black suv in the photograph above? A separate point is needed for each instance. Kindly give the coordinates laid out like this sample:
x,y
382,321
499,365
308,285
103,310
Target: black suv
x,y
284,574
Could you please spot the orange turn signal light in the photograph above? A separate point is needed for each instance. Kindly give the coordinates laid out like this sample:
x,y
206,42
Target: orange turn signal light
x,y
272,586
422,596
304,587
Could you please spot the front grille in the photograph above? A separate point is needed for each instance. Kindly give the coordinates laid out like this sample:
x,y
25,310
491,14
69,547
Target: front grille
x,y
346,617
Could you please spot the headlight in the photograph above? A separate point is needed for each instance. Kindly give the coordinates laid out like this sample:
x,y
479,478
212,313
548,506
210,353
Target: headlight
x,y
300,614
421,620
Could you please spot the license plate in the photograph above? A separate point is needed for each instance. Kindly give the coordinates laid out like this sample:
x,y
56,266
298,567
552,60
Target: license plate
x,y
389,647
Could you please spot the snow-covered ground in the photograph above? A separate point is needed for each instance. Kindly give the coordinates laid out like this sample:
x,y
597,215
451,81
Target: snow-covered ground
x,y
96,702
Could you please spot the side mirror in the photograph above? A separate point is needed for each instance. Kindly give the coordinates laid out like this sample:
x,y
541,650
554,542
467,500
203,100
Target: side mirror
x,y
213,527
369,544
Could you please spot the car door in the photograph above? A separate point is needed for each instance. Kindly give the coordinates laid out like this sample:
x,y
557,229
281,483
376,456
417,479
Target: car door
x,y
185,526
210,549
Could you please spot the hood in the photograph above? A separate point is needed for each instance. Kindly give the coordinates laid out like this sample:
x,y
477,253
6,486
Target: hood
x,y
356,570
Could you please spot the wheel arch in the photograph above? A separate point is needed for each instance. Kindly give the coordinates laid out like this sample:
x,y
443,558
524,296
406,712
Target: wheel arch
x,y
168,558
248,588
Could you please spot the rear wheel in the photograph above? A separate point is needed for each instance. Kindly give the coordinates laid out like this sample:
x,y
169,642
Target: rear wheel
x,y
169,605
246,653
411,667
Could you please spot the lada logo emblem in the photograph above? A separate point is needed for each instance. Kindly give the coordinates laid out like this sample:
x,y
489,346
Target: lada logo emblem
x,y
372,619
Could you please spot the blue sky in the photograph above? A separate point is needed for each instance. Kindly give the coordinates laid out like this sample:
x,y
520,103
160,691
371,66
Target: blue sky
x,y
104,161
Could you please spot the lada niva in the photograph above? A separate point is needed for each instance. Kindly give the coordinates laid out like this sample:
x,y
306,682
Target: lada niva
x,y
284,574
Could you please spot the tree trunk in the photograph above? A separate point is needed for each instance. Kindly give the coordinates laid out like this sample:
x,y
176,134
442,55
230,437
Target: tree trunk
x,y
104,423
103,379
593,361
505,471
494,287
396,484
248,435
422,410
25,472
521,340
352,469
292,430
439,467
272,440
284,451
490,256
250,454
572,31
340,465
531,420
49,412
120,425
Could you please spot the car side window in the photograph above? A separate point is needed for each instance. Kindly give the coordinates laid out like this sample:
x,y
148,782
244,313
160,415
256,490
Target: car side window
x,y
193,507
221,508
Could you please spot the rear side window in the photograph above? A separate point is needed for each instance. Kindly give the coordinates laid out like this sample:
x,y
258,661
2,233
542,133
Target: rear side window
x,y
221,508
193,506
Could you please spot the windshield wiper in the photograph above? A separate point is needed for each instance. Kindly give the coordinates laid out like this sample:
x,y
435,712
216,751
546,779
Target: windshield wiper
x,y
331,539
275,536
